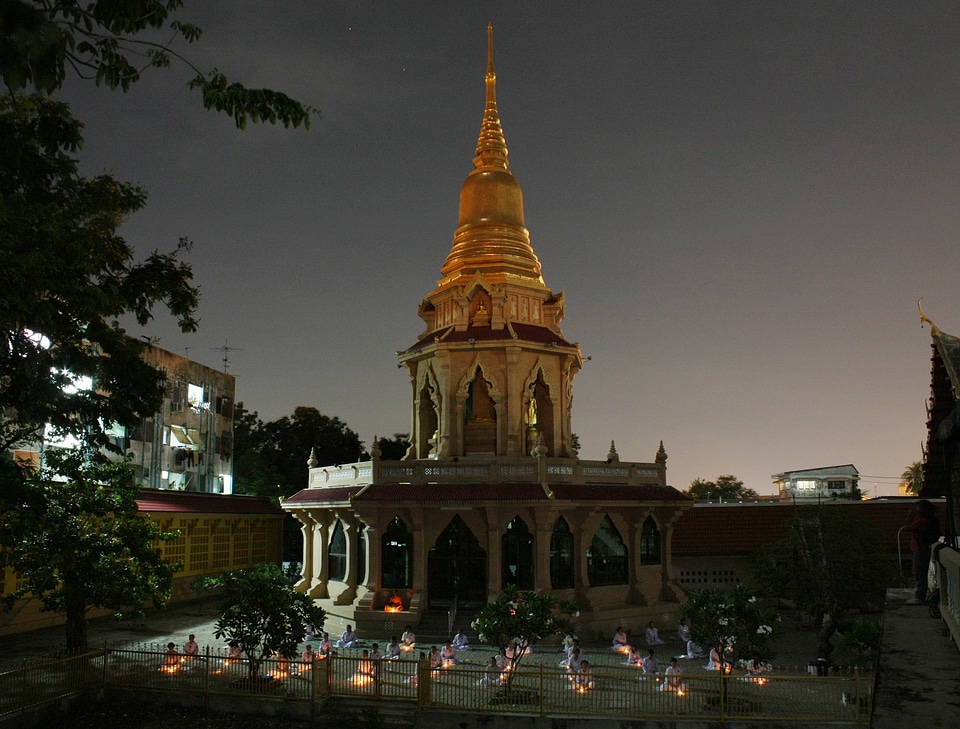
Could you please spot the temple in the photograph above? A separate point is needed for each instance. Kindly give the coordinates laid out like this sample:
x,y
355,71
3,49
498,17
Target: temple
x,y
491,491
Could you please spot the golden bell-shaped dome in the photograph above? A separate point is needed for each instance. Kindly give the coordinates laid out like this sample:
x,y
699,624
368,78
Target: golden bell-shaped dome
x,y
491,236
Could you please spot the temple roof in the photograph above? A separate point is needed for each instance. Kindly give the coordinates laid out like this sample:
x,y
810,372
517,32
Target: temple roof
x,y
161,500
390,493
524,332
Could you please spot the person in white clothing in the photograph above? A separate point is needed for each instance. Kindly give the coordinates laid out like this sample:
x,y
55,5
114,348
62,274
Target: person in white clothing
x,y
620,640
460,641
652,636
650,663
393,648
683,630
674,678
448,654
348,639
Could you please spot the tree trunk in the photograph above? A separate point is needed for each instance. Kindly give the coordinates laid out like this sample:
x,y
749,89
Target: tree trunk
x,y
824,647
76,624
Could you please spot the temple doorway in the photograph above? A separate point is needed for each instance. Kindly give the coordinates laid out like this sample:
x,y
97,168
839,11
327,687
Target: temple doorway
x,y
457,569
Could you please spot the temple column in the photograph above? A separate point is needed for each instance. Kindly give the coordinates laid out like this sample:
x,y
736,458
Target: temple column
x,y
321,565
494,561
306,570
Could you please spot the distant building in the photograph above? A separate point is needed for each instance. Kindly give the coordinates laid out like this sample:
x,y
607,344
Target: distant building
x,y
829,482
188,444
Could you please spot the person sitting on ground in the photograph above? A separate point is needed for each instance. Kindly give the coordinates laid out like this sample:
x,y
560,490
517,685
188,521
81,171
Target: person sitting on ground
x,y
435,660
491,675
171,657
651,635
348,639
190,648
460,641
634,658
575,662
308,634
366,667
674,677
683,630
308,656
714,662
620,640
502,661
650,663
393,648
584,676
325,646
694,650
234,650
375,654
756,667
408,637
448,654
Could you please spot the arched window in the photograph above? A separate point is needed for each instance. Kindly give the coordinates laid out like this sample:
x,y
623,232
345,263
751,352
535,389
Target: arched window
x,y
561,555
607,556
516,549
396,555
650,542
337,554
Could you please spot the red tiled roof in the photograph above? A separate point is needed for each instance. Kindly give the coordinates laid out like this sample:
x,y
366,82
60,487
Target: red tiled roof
x,y
160,500
474,492
524,332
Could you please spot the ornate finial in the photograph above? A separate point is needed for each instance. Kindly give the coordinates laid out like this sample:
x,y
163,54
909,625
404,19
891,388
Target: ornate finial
x,y
375,449
923,318
312,461
491,146
661,454
613,456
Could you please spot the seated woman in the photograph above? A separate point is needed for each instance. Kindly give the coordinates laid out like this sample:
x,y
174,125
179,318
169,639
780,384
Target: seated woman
x,y
366,667
652,636
620,640
756,667
674,678
448,655
502,661
683,630
694,650
575,662
460,641
491,675
348,638
635,658
393,648
714,663
408,639
650,663
325,646
435,660
584,677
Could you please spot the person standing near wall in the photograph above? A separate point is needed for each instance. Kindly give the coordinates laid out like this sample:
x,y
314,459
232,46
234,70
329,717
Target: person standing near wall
x,y
924,532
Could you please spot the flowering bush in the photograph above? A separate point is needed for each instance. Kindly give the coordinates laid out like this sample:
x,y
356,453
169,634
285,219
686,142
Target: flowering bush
x,y
733,623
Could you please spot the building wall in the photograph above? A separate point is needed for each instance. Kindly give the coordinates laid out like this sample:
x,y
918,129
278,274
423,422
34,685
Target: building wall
x,y
208,545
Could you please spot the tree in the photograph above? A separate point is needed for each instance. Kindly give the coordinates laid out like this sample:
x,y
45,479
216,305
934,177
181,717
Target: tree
x,y
68,278
522,618
734,623
728,488
263,613
830,564
912,478
113,43
394,449
83,544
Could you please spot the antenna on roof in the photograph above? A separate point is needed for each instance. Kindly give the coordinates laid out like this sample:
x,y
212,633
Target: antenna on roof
x,y
226,349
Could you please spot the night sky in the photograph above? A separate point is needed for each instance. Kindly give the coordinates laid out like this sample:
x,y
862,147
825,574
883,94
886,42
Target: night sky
x,y
742,201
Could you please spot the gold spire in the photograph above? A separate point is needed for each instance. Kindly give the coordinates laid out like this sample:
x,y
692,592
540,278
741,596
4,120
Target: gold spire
x,y
491,146
491,236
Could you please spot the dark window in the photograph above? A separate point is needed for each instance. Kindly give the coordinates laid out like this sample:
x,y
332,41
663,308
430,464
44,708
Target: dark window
x,y
607,556
516,548
650,542
338,553
396,555
362,557
561,555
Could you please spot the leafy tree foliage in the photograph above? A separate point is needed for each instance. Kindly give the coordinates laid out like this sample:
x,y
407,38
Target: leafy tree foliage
x,y
733,623
727,488
263,613
912,478
68,278
522,618
394,449
830,564
271,458
81,544
113,43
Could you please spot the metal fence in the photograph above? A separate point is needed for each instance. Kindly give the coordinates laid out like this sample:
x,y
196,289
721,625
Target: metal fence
x,y
541,691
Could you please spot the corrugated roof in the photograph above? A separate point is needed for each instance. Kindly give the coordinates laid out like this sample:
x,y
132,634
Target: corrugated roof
x,y
160,500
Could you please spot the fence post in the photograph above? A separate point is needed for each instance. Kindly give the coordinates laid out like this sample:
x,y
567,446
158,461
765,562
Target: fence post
x,y
542,690
723,691
106,661
856,691
206,678
23,687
